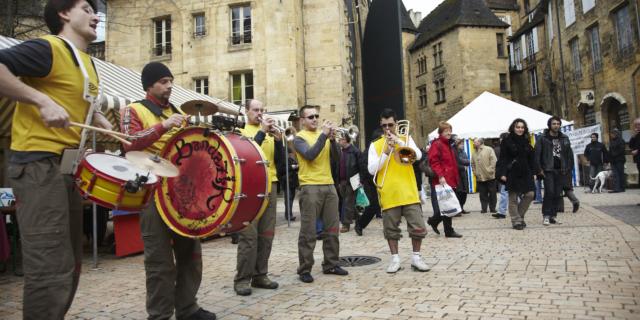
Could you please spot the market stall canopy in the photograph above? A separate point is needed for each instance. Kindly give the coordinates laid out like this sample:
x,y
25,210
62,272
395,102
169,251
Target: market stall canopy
x,y
489,115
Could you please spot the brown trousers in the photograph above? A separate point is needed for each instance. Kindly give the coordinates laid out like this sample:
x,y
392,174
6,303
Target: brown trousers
x,y
255,241
173,268
49,213
318,202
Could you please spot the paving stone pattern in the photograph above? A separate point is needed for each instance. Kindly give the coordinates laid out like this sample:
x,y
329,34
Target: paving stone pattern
x,y
585,268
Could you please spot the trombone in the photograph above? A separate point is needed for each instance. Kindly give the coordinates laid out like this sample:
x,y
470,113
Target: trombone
x,y
403,155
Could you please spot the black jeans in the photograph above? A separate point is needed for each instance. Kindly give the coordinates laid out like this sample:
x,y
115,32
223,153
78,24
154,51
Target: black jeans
x,y
437,217
372,210
462,198
553,184
488,197
617,169
288,211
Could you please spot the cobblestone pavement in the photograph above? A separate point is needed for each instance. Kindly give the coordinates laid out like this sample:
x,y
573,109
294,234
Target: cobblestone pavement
x,y
586,268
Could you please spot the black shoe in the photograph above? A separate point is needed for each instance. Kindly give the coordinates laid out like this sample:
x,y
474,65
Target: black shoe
x,y
433,225
453,235
358,229
465,212
306,277
483,211
615,191
201,314
292,218
524,224
518,227
337,271
576,206
498,216
235,238
553,220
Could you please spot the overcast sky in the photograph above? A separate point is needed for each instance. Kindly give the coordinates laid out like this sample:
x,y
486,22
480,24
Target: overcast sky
x,y
424,6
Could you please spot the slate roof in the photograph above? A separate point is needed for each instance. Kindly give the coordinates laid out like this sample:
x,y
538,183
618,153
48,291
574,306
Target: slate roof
x,y
453,13
405,20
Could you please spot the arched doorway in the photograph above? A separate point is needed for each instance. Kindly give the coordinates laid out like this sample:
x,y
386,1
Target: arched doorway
x,y
614,107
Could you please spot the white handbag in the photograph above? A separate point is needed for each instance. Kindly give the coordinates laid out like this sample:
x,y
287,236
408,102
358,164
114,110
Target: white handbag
x,y
447,200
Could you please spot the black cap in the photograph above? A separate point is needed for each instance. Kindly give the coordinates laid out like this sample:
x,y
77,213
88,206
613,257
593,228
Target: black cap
x,y
153,72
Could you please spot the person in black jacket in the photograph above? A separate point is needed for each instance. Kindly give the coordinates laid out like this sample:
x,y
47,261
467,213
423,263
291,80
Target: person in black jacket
x,y
553,158
597,154
516,169
463,163
347,168
366,179
617,158
634,144
293,181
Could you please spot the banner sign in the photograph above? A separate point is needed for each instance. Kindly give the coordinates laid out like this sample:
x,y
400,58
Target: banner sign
x,y
580,138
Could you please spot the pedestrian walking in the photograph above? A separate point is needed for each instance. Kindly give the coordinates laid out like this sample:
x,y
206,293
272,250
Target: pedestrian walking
x,y
503,200
463,163
484,167
443,163
516,169
553,158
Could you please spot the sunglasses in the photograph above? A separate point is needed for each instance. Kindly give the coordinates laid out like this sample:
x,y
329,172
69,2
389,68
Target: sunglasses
x,y
387,125
313,116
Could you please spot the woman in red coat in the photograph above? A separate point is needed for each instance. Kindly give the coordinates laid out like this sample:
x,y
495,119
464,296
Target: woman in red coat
x,y
442,159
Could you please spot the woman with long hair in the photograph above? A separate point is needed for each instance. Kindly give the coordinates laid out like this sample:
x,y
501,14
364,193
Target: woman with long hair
x,y
516,169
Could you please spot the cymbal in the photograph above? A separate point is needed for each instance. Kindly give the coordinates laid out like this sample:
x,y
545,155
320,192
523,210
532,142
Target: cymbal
x,y
199,107
152,163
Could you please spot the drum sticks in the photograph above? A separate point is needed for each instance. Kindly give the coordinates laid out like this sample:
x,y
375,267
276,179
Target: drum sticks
x,y
114,134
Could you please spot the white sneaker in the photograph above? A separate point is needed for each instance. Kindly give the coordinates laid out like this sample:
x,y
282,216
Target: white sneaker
x,y
545,221
417,264
394,265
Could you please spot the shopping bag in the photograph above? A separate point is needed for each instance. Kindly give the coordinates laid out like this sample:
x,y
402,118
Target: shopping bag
x,y
447,200
361,200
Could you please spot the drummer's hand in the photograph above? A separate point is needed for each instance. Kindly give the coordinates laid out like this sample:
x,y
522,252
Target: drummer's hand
x,y
53,115
175,120
99,120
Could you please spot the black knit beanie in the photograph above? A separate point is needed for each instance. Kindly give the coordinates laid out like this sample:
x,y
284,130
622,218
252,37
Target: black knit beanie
x,y
153,72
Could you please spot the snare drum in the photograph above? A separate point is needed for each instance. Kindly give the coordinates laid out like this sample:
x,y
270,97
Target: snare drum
x,y
222,187
102,178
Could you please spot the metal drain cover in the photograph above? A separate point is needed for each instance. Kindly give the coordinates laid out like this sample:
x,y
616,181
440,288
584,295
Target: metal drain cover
x,y
358,261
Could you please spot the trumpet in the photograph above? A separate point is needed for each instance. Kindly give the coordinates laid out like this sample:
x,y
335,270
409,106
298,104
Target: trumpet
x,y
403,155
352,132
289,132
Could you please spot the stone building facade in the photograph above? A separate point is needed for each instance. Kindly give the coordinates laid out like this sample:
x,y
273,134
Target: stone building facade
x,y
588,61
286,53
459,52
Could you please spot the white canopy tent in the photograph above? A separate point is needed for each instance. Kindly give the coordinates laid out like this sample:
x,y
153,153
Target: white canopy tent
x,y
489,115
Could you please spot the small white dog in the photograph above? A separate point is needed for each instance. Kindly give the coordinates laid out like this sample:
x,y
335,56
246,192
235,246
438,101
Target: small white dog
x,y
601,179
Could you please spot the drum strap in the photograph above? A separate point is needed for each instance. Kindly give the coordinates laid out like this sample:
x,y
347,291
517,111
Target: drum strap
x,y
155,109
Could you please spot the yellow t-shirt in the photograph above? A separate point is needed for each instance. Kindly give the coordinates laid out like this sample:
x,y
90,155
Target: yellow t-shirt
x,y
149,119
65,85
268,147
400,187
318,170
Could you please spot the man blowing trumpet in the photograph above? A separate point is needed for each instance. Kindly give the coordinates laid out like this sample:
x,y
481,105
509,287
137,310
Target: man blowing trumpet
x,y
390,162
